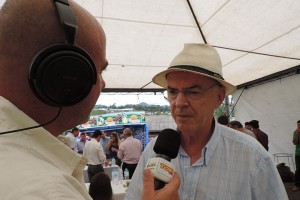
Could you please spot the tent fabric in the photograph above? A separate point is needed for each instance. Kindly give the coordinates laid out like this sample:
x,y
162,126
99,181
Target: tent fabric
x,y
276,106
143,36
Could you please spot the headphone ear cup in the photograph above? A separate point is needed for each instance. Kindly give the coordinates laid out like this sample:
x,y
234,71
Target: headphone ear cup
x,y
62,75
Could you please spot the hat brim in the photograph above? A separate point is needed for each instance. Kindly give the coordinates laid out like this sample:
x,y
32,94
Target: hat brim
x,y
161,79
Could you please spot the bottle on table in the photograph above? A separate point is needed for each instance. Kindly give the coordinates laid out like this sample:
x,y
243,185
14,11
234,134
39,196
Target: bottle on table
x,y
113,162
126,174
120,175
115,176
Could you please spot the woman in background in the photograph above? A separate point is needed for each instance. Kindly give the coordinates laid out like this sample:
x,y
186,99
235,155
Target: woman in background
x,y
113,146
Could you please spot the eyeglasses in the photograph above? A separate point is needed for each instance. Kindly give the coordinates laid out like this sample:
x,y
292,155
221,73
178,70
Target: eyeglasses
x,y
192,93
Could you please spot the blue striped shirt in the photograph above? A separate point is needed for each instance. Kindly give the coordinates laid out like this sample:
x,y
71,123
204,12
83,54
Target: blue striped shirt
x,y
232,166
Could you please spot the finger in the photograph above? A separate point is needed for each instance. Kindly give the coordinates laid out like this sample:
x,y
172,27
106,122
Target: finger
x,y
172,187
148,184
175,181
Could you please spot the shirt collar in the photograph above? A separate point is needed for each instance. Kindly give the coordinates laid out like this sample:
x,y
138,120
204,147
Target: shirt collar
x,y
39,141
209,148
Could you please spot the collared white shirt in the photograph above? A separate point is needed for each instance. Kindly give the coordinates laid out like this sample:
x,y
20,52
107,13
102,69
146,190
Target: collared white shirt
x,y
34,164
233,166
73,141
93,151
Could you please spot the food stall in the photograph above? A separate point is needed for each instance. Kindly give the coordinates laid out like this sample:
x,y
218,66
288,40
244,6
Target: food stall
x,y
117,122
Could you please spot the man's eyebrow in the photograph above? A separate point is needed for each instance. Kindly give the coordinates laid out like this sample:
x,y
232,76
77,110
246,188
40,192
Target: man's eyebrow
x,y
194,86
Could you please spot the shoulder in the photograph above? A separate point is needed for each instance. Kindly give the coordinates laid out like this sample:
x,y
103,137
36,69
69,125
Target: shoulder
x,y
51,182
240,142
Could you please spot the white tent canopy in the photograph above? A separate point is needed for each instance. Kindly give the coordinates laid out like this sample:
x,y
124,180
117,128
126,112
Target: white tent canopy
x,y
143,36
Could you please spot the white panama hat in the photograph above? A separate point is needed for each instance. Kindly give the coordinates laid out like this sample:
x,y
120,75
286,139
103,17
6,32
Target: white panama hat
x,y
200,59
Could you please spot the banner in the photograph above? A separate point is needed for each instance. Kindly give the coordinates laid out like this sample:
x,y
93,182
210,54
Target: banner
x,y
115,119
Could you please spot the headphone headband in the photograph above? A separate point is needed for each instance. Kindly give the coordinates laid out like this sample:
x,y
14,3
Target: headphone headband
x,y
68,19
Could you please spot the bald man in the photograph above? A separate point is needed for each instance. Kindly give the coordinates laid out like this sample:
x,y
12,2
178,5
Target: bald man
x,y
34,163
130,151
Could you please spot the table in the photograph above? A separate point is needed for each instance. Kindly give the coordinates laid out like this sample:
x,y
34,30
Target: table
x,y
107,170
118,190
288,156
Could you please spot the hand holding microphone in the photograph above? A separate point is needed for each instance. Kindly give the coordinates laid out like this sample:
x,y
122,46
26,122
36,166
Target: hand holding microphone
x,y
166,147
166,193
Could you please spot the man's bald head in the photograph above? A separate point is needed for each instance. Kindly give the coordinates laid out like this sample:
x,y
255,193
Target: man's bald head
x,y
26,28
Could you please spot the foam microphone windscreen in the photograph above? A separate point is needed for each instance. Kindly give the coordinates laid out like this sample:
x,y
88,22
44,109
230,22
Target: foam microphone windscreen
x,y
167,143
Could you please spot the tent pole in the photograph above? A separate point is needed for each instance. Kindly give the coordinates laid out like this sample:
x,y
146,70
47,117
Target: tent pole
x,y
227,108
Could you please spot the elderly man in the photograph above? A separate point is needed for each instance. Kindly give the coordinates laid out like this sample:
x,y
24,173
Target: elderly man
x,y
130,151
41,69
213,161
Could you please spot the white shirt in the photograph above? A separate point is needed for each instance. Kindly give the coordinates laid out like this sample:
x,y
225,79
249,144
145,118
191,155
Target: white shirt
x,y
34,164
93,151
73,141
233,166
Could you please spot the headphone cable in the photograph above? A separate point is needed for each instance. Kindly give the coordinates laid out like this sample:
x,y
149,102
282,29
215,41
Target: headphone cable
x,y
33,127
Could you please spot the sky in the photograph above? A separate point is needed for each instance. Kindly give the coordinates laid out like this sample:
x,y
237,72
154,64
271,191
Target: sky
x,y
123,99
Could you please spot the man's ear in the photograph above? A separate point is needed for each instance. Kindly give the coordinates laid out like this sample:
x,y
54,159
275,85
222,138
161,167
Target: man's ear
x,y
221,96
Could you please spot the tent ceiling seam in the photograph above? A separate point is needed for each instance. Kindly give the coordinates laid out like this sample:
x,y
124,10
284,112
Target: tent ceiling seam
x,y
196,20
273,77
144,22
217,11
264,54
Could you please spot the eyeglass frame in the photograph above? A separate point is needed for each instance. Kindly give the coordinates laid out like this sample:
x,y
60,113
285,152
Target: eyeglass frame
x,y
187,92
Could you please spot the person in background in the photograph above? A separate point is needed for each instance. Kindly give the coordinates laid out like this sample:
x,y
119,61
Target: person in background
x,y
113,147
130,151
104,141
239,127
34,163
261,136
93,151
247,126
214,162
296,141
100,187
81,143
73,138
64,140
223,119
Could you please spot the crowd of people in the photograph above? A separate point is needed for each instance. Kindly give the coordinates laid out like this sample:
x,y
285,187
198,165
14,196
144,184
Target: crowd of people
x,y
38,104
102,149
251,128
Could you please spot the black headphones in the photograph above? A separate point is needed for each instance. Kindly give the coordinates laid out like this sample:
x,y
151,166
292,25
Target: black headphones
x,y
63,74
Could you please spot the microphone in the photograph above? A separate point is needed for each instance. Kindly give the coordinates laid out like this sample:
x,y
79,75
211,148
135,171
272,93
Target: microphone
x,y
166,148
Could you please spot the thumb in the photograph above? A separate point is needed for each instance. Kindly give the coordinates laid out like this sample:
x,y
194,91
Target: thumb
x,y
148,184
